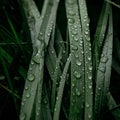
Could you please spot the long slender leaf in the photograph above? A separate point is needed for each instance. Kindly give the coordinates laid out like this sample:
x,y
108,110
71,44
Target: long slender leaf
x,y
88,115
60,90
77,64
103,73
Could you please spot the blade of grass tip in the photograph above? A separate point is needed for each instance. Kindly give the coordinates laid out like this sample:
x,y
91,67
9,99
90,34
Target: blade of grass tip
x,y
113,107
88,113
113,3
50,59
60,90
45,105
103,73
60,43
55,80
10,91
100,35
77,63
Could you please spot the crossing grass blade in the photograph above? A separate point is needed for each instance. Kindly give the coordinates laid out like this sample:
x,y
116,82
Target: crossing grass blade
x,y
60,90
36,68
103,73
55,80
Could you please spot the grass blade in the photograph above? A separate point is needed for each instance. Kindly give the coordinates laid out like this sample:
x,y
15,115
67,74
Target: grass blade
x,y
100,35
60,90
37,61
77,64
103,73
88,115
55,80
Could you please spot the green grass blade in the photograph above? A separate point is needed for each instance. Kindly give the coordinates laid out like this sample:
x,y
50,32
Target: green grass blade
x,y
46,111
100,35
103,73
55,80
37,61
77,63
60,90
88,113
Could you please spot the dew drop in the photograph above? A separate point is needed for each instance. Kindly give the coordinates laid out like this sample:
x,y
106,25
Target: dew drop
x,y
89,58
71,20
52,51
90,68
77,74
22,103
74,48
76,39
99,88
87,24
82,52
89,116
78,63
37,113
104,59
86,32
55,109
78,93
76,56
81,42
27,95
70,1
57,98
71,12
36,59
74,32
87,105
30,68
73,84
90,86
32,63
26,87
89,77
31,77
102,69
22,116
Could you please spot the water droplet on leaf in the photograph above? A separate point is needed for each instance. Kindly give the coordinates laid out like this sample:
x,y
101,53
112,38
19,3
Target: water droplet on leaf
x,y
28,95
78,63
77,74
31,77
